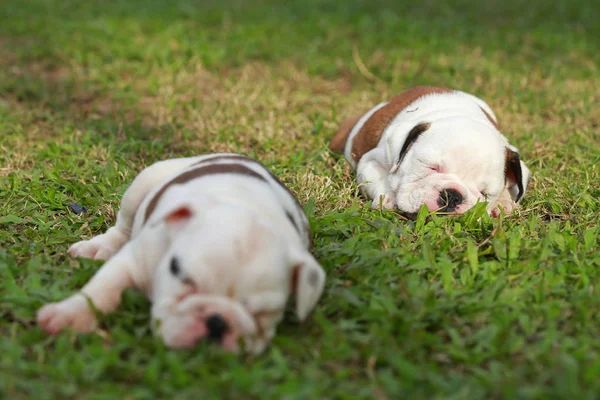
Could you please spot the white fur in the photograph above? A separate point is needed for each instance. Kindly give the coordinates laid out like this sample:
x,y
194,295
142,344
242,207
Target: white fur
x,y
461,150
236,248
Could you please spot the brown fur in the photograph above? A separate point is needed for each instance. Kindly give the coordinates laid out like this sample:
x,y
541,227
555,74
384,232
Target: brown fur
x,y
370,133
489,117
338,142
199,172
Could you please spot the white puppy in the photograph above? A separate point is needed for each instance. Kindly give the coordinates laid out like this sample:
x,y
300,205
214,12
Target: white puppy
x,y
433,146
216,242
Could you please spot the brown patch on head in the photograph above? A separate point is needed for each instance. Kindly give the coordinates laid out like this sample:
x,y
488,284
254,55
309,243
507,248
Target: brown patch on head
x,y
338,142
200,171
225,157
227,165
492,120
370,133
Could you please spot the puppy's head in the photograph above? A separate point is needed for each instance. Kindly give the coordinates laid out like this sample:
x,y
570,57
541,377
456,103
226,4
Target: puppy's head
x,y
227,276
453,163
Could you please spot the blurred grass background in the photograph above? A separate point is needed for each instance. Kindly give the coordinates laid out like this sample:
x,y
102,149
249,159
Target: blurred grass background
x,y
90,92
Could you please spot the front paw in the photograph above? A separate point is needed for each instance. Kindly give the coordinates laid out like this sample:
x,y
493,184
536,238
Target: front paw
x,y
255,345
508,206
100,247
384,201
73,312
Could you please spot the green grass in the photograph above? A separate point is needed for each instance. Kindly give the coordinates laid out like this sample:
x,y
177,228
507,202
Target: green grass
x,y
458,308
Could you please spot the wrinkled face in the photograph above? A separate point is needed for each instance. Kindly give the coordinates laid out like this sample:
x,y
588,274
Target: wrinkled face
x,y
449,165
225,278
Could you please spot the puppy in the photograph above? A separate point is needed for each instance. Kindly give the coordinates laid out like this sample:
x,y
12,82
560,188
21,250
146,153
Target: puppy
x,y
216,242
433,146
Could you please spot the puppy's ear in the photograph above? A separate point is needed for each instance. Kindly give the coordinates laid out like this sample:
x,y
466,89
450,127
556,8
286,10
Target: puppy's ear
x,y
308,281
516,174
178,209
175,217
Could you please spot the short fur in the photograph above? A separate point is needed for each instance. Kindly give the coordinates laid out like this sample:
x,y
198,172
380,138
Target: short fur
x,y
216,242
409,150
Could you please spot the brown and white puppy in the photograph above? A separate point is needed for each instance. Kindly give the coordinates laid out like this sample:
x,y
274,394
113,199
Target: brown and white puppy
x,y
433,146
216,242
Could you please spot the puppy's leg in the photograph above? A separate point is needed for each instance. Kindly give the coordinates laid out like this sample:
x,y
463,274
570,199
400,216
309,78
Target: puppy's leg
x,y
372,177
103,290
103,246
267,310
100,247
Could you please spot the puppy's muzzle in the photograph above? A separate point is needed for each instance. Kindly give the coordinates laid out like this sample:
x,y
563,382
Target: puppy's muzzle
x,y
449,199
217,326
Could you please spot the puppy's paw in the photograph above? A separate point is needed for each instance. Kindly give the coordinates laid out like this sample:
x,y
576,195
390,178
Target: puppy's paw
x,y
507,206
386,201
73,312
92,249
101,247
504,201
256,345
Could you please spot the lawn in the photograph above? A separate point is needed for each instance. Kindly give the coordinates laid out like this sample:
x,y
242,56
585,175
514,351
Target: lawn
x,y
438,308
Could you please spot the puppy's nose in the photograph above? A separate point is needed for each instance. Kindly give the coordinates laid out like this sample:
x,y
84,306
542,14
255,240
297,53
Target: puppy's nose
x,y
449,199
217,326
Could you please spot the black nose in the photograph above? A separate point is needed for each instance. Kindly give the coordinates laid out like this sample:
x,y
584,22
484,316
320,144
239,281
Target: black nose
x,y
449,199
217,326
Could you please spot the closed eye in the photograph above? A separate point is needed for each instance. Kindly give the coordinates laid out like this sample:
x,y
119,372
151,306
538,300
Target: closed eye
x,y
431,167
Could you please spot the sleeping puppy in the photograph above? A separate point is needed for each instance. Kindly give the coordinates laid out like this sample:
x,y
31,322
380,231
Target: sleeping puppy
x,y
433,146
216,242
